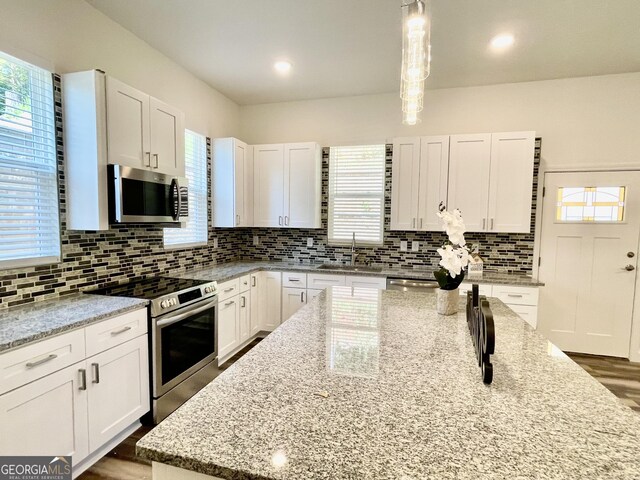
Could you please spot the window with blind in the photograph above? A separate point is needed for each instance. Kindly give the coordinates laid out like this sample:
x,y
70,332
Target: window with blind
x,y
195,233
29,218
356,194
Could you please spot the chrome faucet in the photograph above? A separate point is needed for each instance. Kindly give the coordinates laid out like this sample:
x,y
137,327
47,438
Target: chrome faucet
x,y
353,249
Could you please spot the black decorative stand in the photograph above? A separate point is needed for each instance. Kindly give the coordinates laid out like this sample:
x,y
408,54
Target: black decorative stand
x,y
480,321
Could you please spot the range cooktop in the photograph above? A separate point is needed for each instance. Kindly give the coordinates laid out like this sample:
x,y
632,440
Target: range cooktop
x,y
150,288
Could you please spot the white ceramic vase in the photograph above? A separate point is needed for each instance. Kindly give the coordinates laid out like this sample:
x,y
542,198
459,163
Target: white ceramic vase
x,y
447,301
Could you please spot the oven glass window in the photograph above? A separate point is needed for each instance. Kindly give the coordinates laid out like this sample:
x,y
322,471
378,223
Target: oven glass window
x,y
187,342
146,198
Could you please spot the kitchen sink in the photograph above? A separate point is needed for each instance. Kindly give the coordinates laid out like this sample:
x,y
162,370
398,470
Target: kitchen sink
x,y
349,268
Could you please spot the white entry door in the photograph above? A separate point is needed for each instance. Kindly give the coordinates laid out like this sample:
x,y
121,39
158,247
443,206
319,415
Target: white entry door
x,y
589,247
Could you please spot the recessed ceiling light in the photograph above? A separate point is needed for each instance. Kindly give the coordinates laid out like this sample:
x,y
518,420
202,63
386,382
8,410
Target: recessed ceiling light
x,y
502,41
282,67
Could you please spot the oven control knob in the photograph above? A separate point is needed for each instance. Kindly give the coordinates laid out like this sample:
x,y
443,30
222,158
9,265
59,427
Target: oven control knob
x,y
208,290
164,304
173,301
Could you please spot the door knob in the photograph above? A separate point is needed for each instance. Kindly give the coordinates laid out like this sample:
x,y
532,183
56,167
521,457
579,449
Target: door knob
x,y
629,268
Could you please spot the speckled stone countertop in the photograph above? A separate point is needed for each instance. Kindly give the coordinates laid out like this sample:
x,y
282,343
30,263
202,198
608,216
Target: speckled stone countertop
x,y
229,271
404,400
33,322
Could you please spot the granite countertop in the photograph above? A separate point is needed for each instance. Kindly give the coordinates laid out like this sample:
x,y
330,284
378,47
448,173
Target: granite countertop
x,y
33,322
376,385
229,271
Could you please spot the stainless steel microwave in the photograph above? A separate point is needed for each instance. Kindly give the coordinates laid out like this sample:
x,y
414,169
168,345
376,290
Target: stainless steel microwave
x,y
143,196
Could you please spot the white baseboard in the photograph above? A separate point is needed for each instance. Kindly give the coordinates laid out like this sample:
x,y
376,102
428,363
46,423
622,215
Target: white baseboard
x,y
106,448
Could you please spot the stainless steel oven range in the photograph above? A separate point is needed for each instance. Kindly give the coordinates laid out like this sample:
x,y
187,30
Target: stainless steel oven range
x,y
183,337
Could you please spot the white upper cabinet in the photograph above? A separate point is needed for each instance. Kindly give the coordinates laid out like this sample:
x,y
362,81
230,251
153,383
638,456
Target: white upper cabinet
x,y
302,171
405,183
128,130
232,183
167,138
109,122
268,193
142,131
287,182
511,182
419,182
469,164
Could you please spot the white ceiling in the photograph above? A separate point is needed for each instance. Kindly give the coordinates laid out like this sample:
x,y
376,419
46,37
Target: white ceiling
x,y
352,47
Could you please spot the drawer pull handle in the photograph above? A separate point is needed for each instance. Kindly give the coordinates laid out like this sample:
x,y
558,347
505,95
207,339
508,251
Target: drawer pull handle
x,y
122,330
514,295
294,279
229,303
227,290
96,373
46,359
83,379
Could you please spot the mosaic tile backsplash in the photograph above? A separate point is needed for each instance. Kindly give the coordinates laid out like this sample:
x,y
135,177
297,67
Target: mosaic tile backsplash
x,y
92,259
503,252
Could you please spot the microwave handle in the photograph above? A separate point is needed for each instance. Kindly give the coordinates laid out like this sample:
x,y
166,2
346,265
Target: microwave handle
x,y
175,189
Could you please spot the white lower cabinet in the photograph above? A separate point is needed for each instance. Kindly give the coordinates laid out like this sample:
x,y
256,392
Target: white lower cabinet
x,y
244,316
46,417
522,300
254,317
118,387
312,293
271,314
366,282
77,409
292,300
228,329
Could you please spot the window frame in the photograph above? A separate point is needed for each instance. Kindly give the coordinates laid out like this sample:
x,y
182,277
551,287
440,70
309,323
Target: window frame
x,y
47,76
378,196
205,182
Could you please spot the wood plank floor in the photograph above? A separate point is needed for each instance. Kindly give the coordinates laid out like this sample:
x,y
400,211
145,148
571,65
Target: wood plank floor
x,y
618,375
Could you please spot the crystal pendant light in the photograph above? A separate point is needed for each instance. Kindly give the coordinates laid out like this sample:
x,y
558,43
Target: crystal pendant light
x,y
416,59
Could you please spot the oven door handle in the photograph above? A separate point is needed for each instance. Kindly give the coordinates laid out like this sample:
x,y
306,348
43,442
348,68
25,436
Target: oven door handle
x,y
182,315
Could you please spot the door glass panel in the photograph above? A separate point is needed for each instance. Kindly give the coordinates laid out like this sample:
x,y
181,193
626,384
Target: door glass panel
x,y
590,204
187,342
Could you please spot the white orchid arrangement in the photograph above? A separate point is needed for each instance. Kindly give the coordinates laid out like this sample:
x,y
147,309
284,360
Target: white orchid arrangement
x,y
454,255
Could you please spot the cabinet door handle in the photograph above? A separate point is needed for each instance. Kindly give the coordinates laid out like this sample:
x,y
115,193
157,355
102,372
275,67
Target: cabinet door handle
x,y
491,228
413,223
229,303
155,156
484,223
237,219
46,359
253,281
82,374
96,373
148,164
122,330
420,223
243,301
301,297
280,220
286,220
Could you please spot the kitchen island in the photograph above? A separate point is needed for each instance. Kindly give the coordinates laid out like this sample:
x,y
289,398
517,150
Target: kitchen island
x,y
373,384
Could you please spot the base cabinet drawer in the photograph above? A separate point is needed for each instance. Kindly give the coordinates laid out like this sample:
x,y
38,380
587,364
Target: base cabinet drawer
x,y
28,363
513,295
320,281
366,282
47,417
115,331
228,289
294,279
529,313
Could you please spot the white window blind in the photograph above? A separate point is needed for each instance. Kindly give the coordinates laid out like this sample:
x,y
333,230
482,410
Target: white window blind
x,y
29,218
356,194
195,233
